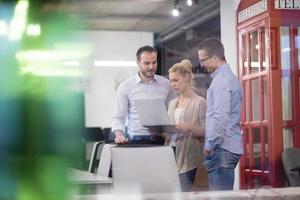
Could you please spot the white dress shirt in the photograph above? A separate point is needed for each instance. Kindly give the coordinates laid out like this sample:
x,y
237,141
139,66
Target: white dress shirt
x,y
134,88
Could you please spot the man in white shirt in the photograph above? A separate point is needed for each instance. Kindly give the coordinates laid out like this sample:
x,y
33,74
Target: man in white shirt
x,y
145,84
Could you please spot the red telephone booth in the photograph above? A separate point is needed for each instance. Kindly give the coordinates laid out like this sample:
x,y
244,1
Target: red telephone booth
x,y
269,68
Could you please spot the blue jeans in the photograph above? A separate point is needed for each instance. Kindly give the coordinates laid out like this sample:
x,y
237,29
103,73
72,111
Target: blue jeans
x,y
186,179
220,165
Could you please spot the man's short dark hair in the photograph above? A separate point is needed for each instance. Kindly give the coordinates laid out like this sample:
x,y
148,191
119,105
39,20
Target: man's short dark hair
x,y
213,47
143,49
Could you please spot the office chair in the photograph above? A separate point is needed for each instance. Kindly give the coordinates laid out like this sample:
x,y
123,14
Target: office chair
x,y
105,160
291,165
104,136
94,156
144,170
92,138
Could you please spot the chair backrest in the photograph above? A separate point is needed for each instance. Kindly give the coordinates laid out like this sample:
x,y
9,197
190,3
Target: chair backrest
x,y
291,159
94,155
144,170
105,160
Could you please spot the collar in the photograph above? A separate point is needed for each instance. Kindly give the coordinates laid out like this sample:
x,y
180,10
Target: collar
x,y
139,80
219,69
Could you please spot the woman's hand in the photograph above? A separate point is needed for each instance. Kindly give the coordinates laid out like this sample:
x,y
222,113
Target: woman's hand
x,y
184,127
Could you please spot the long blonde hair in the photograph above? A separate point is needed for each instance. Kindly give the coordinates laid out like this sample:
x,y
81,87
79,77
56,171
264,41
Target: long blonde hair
x,y
184,68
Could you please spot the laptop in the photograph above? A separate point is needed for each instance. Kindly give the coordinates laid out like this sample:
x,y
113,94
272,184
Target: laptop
x,y
153,114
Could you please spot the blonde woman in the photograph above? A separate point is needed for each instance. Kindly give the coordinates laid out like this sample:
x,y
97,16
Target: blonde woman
x,y
187,111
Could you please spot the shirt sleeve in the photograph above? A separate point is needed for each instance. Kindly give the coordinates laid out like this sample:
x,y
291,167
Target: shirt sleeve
x,y
120,109
217,122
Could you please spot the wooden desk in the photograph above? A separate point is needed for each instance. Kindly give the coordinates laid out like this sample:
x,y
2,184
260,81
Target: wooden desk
x,y
89,183
291,193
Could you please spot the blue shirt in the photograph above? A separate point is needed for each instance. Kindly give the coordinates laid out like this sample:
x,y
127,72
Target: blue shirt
x,y
224,99
134,88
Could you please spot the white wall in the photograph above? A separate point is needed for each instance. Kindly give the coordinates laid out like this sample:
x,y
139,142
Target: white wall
x,y
228,31
229,40
101,82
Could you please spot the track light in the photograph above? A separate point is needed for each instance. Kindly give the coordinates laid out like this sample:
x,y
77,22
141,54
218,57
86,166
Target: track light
x,y
176,11
177,6
189,2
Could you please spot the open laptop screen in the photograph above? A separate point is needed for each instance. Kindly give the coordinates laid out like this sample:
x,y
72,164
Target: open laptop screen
x,y
153,114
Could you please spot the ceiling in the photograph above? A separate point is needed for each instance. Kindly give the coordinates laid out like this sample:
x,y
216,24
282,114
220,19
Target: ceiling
x,y
134,15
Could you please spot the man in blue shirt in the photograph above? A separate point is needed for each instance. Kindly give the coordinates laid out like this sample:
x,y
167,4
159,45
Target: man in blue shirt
x,y
145,84
223,139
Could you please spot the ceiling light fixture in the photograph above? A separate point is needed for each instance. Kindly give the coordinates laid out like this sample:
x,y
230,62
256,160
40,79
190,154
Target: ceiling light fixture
x,y
176,11
189,2
115,63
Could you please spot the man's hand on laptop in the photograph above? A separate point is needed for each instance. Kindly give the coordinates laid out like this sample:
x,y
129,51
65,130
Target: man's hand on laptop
x,y
152,131
120,137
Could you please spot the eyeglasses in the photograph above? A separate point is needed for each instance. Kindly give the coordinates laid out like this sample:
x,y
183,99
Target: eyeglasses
x,y
203,60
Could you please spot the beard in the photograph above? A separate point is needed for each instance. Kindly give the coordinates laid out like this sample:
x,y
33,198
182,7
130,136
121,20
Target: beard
x,y
210,69
148,73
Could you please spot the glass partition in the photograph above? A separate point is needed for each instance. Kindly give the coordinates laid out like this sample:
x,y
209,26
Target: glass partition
x,y
285,47
247,102
288,138
266,141
297,45
265,98
245,54
254,46
256,148
247,149
257,181
255,100
287,112
264,49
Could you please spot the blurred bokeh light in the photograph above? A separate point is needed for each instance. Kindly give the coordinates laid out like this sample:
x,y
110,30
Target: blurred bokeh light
x,y
41,101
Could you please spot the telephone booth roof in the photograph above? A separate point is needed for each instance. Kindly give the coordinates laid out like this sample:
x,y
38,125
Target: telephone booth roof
x,y
249,10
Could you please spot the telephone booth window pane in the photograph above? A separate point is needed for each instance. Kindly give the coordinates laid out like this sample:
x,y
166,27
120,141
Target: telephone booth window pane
x,y
256,148
248,181
285,48
298,45
263,49
265,97
254,52
247,149
286,98
266,148
255,100
247,96
288,138
267,180
257,181
245,54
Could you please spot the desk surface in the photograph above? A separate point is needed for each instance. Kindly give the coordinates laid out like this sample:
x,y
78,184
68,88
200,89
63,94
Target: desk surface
x,y
83,177
291,193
